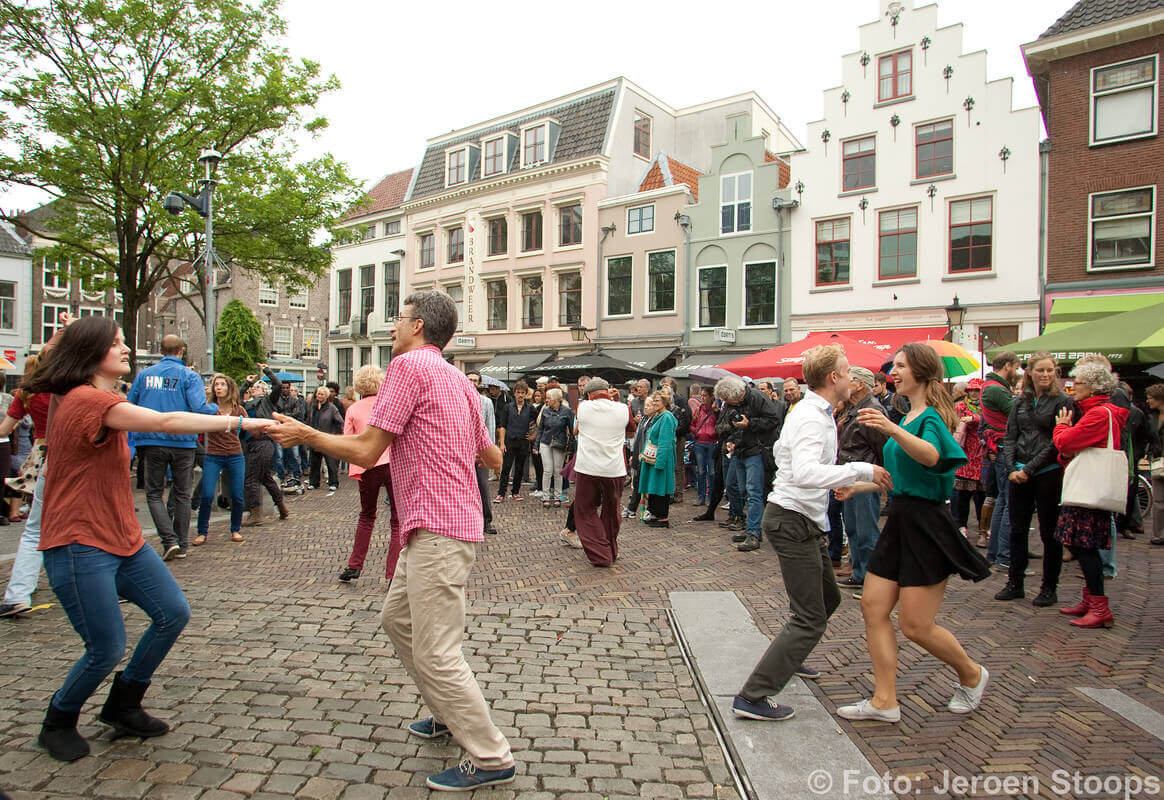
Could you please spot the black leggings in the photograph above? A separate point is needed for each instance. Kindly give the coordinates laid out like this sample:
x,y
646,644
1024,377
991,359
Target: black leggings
x,y
962,498
659,505
1088,558
1041,492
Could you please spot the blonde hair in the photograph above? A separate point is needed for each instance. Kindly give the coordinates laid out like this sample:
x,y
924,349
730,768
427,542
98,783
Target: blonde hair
x,y
819,362
367,380
1028,379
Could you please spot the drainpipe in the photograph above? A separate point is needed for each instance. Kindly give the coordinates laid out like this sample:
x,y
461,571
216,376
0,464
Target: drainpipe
x,y
783,300
606,231
685,223
1044,157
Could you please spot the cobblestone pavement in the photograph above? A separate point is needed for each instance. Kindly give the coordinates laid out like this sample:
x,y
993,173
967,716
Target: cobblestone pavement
x,y
283,683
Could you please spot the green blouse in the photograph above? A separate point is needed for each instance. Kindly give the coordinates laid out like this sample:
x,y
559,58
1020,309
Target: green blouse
x,y
911,478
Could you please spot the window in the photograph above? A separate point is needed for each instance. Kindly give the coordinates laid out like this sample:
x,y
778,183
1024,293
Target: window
x,y
661,281
281,341
1123,101
498,236
268,293
712,297
456,245
90,311
344,284
735,203
531,302
971,235
369,232
760,293
367,290
427,250
54,279
996,335
618,286
859,161
570,223
642,135
570,299
898,250
640,219
311,338
392,228
51,320
531,231
297,298
495,156
7,305
1121,228
935,148
533,148
894,76
495,293
343,357
458,165
385,357
457,292
832,252
365,355
391,290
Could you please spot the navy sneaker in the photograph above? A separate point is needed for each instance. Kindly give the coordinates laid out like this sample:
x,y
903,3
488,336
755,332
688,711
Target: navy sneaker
x,y
467,776
807,672
767,709
428,729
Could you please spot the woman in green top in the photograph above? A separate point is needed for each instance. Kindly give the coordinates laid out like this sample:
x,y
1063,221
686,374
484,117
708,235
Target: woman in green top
x,y
657,480
920,547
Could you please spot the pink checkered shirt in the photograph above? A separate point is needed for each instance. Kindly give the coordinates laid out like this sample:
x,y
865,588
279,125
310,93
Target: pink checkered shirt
x,y
436,416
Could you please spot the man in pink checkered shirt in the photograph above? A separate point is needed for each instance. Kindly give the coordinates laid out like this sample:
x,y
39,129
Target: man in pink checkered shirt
x,y
430,416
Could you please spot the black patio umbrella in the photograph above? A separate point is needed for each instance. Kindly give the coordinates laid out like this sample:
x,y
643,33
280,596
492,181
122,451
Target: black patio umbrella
x,y
597,365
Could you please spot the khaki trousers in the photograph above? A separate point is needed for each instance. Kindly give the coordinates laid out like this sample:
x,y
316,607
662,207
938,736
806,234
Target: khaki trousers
x,y
424,616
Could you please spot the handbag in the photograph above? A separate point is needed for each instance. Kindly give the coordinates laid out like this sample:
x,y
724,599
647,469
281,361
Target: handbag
x,y
1098,476
650,453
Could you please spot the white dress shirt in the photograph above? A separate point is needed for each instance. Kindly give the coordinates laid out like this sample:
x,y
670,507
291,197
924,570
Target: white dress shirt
x,y
806,456
601,431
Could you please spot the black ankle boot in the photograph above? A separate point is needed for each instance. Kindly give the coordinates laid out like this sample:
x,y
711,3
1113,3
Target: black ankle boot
x,y
1047,597
123,711
59,735
1012,591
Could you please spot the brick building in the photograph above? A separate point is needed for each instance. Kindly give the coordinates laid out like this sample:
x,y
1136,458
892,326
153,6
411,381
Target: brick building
x,y
1096,72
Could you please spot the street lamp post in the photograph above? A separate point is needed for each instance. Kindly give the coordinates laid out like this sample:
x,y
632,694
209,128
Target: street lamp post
x,y
955,313
203,204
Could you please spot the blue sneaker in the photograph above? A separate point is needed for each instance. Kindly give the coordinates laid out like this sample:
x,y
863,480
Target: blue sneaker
x,y
467,776
807,672
428,728
767,709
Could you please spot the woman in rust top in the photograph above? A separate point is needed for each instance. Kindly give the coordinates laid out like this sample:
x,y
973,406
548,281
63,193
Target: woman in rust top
x,y
223,453
91,539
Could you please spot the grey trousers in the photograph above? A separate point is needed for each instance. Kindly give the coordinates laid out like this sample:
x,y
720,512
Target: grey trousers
x,y
172,517
486,500
260,455
813,596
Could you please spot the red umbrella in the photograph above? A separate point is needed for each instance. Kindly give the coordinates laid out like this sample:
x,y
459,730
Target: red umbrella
x,y
787,360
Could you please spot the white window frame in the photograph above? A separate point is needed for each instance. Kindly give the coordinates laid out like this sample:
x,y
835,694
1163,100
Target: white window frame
x,y
699,309
60,284
545,126
388,227
606,288
650,133
641,230
485,155
1151,215
461,151
674,309
420,266
461,309
10,300
55,325
558,276
736,202
775,296
289,332
311,343
488,309
298,299
268,292
1093,96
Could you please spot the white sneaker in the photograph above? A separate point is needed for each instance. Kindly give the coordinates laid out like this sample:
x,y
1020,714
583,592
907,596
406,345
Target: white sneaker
x,y
866,710
968,698
536,493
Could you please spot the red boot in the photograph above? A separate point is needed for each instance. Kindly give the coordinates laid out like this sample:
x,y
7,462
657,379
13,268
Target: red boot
x,y
1098,615
1080,609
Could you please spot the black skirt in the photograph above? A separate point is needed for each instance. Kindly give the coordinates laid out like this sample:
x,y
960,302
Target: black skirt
x,y
920,546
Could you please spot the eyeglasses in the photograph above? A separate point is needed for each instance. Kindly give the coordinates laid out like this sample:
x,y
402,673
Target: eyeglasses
x,y
399,317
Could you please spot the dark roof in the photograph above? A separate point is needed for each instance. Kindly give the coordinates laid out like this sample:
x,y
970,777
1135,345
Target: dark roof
x,y
583,131
384,196
11,244
1087,13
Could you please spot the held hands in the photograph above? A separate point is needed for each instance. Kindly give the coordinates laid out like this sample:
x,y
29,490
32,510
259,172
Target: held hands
x,y
288,431
252,425
1063,417
742,422
882,482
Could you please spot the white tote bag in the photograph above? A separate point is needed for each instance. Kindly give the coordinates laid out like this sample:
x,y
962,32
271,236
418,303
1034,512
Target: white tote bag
x,y
1098,476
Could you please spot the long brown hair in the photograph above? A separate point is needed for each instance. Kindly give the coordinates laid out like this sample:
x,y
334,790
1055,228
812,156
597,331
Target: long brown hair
x,y
75,357
1029,381
927,369
232,398
29,368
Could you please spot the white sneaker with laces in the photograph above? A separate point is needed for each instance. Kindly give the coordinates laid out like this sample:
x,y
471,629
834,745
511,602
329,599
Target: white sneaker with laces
x,y
866,710
968,698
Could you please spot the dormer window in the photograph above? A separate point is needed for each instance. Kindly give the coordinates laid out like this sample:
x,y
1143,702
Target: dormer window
x,y
533,145
494,156
457,162
642,144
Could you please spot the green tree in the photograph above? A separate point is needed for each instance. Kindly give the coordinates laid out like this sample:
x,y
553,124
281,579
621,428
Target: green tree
x,y
106,104
239,342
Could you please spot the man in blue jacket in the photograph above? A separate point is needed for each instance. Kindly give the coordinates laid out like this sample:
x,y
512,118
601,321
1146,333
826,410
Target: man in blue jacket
x,y
169,385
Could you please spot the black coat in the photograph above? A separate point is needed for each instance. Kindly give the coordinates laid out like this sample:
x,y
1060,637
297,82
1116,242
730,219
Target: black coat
x,y
325,418
764,424
1028,431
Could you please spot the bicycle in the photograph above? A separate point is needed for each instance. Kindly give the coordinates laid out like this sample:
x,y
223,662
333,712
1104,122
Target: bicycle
x,y
1144,494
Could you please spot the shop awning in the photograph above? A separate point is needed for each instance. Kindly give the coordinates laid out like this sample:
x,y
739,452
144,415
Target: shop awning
x,y
1067,312
642,357
508,366
694,361
1133,337
787,360
888,341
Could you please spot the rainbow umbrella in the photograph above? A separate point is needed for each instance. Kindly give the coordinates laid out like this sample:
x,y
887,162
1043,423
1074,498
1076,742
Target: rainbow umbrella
x,y
956,360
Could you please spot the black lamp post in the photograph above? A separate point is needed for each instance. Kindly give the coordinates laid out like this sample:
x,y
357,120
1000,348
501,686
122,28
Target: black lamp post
x,y
955,313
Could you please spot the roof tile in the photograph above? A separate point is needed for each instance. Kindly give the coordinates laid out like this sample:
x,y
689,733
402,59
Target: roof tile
x,y
1087,13
667,171
386,195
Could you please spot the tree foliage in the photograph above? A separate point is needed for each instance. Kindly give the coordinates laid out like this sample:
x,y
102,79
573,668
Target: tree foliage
x,y
106,104
239,342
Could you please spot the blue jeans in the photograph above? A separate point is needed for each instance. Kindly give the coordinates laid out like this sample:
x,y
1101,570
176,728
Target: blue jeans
x,y
736,493
999,547
862,512
235,466
290,462
1108,557
704,468
747,477
277,461
26,567
87,582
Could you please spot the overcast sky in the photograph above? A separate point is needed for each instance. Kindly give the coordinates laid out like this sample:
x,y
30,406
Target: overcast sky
x,y
410,71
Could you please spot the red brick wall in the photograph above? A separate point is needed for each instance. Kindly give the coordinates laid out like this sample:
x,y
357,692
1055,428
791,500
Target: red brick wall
x,y
1075,169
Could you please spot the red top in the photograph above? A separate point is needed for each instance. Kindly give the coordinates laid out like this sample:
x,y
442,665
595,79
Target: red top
x,y
88,494
38,407
703,425
354,424
1092,428
971,443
